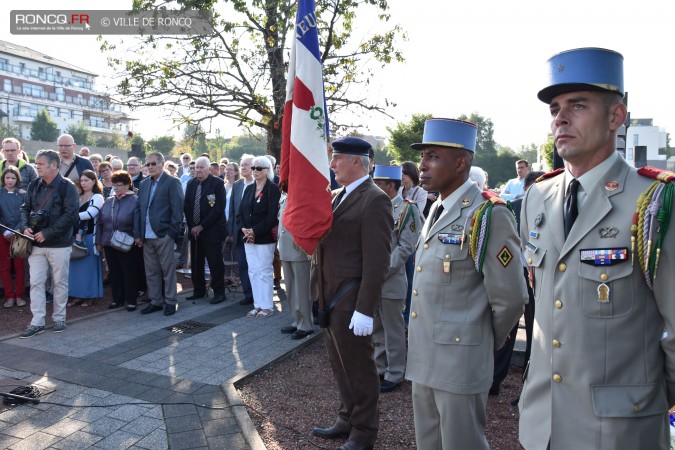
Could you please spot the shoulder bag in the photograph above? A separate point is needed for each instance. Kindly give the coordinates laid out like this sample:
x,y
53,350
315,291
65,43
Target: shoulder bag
x,y
120,240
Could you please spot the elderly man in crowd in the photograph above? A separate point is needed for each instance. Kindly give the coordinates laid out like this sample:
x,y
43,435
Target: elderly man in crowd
x,y
10,150
134,169
72,165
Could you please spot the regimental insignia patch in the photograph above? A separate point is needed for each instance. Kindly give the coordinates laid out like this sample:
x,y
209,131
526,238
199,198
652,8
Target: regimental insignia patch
x,y
505,256
413,227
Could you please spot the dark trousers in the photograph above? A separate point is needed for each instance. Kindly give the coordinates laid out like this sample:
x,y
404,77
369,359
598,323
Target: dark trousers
x,y
243,270
409,272
211,251
529,321
353,364
125,268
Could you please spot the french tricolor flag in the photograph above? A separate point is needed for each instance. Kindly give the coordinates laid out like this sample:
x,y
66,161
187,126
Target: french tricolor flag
x,y
304,160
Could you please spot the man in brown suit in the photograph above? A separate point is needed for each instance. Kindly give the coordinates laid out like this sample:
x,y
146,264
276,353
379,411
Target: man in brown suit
x,y
353,261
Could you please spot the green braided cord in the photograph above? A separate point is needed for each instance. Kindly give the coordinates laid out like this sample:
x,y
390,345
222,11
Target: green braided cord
x,y
488,211
642,204
664,221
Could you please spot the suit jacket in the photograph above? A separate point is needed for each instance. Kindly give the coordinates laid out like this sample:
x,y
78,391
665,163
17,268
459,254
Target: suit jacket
x,y
458,318
137,181
166,207
261,213
235,203
211,208
357,245
602,374
288,251
407,227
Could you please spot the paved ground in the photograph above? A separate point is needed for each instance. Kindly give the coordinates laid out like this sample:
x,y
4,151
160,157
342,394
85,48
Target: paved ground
x,y
122,380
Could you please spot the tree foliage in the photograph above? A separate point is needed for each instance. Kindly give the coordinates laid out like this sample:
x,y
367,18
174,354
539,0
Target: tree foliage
x,y
162,144
81,134
404,134
44,128
547,151
251,143
239,71
7,131
110,141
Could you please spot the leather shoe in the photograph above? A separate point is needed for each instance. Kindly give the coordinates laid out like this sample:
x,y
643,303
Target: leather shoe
x,y
151,309
351,445
332,432
301,334
218,299
170,310
196,296
288,330
388,386
246,301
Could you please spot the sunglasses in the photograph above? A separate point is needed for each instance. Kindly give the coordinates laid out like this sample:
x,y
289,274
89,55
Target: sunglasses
x,y
151,164
259,168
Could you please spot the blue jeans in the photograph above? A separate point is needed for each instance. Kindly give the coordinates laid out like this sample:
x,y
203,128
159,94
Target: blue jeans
x,y
409,272
243,270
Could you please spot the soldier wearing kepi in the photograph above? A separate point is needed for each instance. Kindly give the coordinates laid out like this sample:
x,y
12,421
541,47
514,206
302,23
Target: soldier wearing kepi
x,y
602,369
468,292
389,326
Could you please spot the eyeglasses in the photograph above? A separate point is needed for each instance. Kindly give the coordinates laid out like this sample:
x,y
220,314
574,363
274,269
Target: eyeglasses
x,y
186,157
151,164
9,150
259,168
133,165
119,185
65,145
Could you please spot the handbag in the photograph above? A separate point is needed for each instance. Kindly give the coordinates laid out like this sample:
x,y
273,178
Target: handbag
x,y
20,247
79,251
120,240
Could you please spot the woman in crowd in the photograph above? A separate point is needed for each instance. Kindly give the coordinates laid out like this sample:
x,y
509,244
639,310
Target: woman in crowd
x,y
116,164
229,248
10,204
85,278
95,160
118,214
105,171
257,222
171,168
410,186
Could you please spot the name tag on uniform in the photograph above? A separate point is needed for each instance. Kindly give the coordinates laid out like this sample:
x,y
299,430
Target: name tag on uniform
x,y
603,256
447,238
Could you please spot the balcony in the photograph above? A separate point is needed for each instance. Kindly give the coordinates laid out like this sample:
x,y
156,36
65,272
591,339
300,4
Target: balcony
x,y
45,77
93,103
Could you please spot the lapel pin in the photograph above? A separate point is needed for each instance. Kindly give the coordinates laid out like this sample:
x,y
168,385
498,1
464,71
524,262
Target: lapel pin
x,y
466,202
539,219
612,186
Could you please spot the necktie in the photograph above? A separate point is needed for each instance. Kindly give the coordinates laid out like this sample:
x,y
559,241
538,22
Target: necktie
x,y
571,209
198,196
338,199
437,214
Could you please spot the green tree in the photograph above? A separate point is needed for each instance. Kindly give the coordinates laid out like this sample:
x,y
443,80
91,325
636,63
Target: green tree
x,y
404,134
195,138
251,143
528,153
162,144
137,139
109,141
239,70
7,131
547,151
44,128
81,134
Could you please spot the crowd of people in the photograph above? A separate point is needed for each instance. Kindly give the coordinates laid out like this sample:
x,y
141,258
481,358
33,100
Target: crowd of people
x,y
425,248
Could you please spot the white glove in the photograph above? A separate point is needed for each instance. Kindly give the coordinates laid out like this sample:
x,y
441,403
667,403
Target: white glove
x,y
362,324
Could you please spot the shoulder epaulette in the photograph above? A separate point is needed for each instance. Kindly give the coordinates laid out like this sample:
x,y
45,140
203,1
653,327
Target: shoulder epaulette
x,y
548,175
651,220
494,198
655,173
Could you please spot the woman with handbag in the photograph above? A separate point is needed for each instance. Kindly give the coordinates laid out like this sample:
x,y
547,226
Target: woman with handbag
x,y
85,277
114,234
10,203
258,223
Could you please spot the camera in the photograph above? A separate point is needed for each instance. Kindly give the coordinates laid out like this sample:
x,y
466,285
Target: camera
x,y
37,220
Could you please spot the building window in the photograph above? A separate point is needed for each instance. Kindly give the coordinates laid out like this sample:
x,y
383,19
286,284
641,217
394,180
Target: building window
x,y
7,86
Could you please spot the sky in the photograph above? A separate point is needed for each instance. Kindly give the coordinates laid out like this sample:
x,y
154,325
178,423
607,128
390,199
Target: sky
x,y
483,56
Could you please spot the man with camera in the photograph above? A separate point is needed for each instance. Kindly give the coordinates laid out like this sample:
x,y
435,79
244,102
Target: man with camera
x,y
48,215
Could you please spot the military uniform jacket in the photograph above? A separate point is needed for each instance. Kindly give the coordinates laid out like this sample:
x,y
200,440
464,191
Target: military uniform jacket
x,y
358,245
459,318
407,227
601,375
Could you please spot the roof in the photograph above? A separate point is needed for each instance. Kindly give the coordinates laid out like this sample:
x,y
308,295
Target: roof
x,y
27,53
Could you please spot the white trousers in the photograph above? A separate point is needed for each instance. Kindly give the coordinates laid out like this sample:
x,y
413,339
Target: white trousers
x,y
261,273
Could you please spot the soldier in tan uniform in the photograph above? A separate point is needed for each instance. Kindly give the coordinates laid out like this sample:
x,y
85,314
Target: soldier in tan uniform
x,y
602,368
388,324
468,292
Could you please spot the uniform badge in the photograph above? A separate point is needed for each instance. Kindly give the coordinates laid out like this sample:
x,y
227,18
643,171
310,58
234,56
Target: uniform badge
x,y
457,228
608,232
505,256
531,247
212,199
466,202
603,256
447,238
413,227
612,186
534,234
603,293
539,219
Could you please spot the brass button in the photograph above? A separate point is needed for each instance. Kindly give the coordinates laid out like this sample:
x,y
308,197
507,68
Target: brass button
x,y
562,267
458,339
413,315
604,277
556,343
558,304
636,407
414,292
529,260
557,378
426,246
419,268
447,256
